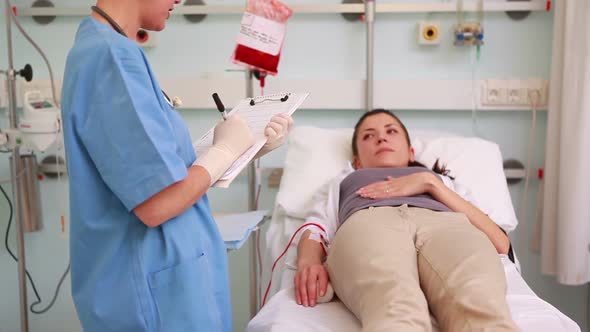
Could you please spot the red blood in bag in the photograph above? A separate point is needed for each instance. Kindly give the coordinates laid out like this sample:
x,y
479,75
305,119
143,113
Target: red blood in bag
x,y
263,61
263,31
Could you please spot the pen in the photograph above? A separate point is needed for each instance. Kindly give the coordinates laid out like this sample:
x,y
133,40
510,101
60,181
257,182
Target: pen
x,y
220,106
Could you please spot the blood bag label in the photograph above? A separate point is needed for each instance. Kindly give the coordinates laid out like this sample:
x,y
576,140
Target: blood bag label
x,y
261,34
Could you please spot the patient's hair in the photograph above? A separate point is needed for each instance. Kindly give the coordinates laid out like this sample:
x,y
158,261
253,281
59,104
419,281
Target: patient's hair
x,y
437,167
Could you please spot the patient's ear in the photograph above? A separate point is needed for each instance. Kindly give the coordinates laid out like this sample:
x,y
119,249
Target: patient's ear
x,y
356,163
412,154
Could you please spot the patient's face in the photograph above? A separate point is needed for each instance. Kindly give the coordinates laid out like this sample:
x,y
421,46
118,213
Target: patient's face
x,y
381,142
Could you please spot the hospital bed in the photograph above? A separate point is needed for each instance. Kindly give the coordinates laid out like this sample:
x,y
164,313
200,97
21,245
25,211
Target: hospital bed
x,y
314,155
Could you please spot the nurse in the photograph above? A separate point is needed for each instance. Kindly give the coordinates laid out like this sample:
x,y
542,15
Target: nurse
x,y
146,253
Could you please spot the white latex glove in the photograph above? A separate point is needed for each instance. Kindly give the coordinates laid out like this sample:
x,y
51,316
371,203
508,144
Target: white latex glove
x,y
276,132
231,138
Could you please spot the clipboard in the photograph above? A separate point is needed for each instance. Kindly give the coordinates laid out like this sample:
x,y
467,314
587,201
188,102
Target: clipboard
x,y
257,112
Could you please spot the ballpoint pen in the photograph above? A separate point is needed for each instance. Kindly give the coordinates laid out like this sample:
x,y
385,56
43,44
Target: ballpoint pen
x,y
220,106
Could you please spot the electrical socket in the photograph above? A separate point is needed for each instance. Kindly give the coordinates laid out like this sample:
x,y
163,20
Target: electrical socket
x,y
493,93
515,96
515,92
537,86
495,96
536,96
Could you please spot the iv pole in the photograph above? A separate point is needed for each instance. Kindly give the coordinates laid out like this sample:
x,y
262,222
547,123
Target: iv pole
x,y
252,185
14,172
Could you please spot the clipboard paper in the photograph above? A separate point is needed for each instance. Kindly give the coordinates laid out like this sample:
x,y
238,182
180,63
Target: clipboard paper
x,y
257,112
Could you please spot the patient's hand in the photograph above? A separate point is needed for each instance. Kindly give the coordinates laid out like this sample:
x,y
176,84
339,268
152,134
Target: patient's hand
x,y
405,186
311,282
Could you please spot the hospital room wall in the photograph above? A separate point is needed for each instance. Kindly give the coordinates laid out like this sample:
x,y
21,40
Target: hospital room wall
x,y
512,50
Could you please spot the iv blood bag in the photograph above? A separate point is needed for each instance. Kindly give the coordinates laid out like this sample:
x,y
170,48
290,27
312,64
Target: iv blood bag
x,y
261,35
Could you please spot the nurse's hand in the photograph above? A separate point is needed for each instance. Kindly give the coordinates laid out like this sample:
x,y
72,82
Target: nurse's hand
x,y
231,138
311,284
276,132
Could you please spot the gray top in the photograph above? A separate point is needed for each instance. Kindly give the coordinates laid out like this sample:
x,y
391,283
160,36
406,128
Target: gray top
x,y
351,202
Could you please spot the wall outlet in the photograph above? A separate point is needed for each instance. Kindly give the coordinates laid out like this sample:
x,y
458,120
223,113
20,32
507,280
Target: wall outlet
x,y
515,96
495,96
493,93
537,92
521,93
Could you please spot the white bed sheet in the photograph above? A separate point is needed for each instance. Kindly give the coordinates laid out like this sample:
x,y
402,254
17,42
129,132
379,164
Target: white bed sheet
x,y
282,314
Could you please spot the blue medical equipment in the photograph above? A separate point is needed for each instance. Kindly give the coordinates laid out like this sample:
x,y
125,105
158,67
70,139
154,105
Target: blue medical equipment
x,y
236,228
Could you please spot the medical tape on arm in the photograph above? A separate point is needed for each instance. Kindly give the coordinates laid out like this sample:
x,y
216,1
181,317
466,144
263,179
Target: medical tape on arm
x,y
315,236
318,235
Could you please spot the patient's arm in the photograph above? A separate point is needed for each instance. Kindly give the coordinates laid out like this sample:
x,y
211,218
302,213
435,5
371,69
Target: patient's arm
x,y
424,182
311,274
448,197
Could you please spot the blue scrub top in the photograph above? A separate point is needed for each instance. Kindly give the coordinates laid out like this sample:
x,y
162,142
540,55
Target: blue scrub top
x,y
124,143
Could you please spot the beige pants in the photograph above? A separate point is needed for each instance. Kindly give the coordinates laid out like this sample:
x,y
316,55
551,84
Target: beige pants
x,y
389,265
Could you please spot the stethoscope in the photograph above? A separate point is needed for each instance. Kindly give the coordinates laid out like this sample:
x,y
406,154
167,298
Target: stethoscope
x,y
118,28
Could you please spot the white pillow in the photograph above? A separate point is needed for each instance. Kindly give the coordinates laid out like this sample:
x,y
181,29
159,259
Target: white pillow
x,y
315,155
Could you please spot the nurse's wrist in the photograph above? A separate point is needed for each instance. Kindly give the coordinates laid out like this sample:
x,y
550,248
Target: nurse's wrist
x,y
206,171
215,161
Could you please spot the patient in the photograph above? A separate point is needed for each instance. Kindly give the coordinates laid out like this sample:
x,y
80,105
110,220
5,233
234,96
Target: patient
x,y
402,241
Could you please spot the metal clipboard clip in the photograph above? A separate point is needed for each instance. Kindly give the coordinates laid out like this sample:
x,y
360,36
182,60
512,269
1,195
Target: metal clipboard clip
x,y
272,98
